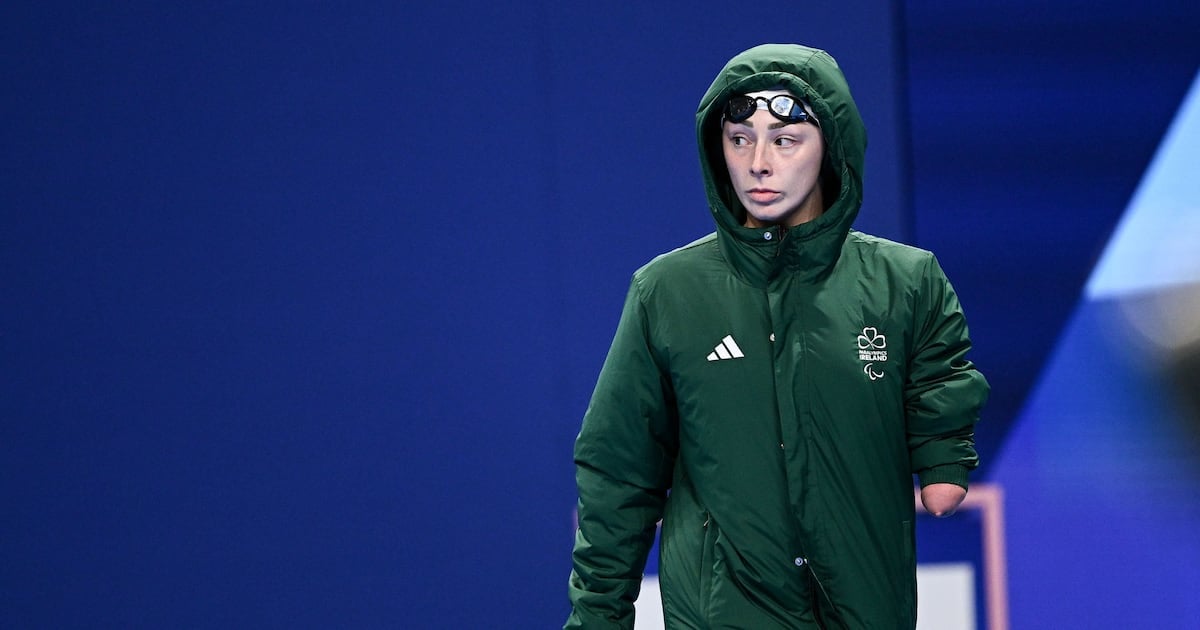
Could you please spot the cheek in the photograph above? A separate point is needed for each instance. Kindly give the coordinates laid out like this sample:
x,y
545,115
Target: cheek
x,y
812,159
727,151
732,164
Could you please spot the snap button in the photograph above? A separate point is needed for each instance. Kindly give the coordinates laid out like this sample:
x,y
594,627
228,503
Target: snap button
x,y
772,336
800,561
768,236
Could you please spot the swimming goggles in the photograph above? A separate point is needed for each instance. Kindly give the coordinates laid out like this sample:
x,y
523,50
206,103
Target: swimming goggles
x,y
785,107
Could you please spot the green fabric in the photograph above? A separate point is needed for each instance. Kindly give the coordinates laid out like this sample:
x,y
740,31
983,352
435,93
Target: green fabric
x,y
783,477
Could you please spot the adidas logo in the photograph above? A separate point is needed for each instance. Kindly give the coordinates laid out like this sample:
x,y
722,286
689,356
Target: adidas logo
x,y
727,349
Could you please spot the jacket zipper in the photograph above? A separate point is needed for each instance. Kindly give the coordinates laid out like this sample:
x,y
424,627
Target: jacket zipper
x,y
783,232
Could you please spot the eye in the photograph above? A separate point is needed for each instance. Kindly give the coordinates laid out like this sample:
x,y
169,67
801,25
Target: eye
x,y
784,141
739,140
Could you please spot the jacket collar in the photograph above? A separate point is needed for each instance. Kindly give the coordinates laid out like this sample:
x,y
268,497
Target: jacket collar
x,y
761,256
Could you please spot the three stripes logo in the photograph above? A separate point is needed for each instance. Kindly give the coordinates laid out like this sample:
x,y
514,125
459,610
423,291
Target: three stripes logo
x,y
727,349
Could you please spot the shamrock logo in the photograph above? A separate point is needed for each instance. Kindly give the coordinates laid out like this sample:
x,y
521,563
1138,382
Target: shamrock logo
x,y
870,338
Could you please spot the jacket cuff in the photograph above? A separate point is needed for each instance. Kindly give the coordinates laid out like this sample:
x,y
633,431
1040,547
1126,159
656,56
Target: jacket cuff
x,y
946,473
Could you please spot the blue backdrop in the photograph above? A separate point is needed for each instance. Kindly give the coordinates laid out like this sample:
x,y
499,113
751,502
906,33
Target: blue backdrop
x,y
302,304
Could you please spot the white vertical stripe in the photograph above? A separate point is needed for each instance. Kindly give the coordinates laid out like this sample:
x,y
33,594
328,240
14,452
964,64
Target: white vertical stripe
x,y
733,347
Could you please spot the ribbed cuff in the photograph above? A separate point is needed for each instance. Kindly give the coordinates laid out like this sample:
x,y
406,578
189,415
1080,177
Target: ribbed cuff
x,y
946,473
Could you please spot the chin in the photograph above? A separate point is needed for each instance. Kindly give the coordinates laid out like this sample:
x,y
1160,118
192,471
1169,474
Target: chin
x,y
767,219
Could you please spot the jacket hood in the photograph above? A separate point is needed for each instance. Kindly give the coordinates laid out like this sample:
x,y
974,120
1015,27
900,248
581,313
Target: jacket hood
x,y
809,249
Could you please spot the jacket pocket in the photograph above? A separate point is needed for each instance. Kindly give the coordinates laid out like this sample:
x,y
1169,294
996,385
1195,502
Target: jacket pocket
x,y
685,568
707,562
907,597
908,543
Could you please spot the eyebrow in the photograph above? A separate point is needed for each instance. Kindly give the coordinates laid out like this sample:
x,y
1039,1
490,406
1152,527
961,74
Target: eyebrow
x,y
774,125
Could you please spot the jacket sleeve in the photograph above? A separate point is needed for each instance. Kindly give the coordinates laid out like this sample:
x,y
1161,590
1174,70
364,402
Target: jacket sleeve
x,y
624,457
944,392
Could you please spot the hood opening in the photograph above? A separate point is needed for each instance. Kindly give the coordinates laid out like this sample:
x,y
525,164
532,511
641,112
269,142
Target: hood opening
x,y
814,76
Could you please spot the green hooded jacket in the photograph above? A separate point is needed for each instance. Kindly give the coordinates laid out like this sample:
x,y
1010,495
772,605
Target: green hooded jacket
x,y
769,395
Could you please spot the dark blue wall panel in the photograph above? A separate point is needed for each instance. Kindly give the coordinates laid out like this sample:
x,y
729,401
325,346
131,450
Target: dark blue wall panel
x,y
1032,123
303,304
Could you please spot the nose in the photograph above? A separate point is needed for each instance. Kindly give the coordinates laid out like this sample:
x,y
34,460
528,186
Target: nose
x,y
759,164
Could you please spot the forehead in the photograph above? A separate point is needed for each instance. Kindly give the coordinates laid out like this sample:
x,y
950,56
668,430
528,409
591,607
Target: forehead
x,y
768,94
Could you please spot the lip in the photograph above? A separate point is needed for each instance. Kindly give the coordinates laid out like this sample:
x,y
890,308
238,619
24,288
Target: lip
x,y
763,195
